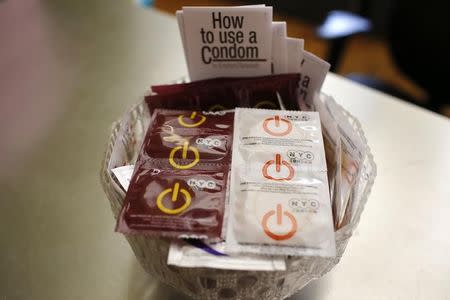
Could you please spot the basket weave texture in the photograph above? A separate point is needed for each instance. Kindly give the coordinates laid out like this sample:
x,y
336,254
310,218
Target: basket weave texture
x,y
203,283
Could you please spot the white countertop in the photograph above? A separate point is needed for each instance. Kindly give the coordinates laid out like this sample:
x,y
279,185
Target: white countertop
x,y
401,247
57,239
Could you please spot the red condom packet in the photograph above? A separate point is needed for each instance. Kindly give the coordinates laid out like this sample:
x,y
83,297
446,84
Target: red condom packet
x,y
227,93
179,185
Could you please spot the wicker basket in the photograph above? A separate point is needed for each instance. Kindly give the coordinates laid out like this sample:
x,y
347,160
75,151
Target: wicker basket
x,y
202,283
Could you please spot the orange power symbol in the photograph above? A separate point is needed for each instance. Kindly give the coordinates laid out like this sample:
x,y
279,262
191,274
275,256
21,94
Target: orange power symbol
x,y
279,214
276,124
278,163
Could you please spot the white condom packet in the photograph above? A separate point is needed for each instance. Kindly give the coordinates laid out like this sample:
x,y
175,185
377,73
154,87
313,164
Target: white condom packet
x,y
279,196
202,254
332,143
353,154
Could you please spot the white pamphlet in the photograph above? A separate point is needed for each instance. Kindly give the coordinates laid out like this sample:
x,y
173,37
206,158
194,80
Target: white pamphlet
x,y
227,41
313,71
279,48
294,54
123,175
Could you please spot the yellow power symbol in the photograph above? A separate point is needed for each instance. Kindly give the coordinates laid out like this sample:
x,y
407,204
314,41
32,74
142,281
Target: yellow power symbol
x,y
184,149
175,191
192,117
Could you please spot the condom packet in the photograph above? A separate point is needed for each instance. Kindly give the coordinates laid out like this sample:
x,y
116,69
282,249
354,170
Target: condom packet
x,y
227,93
185,138
194,253
353,154
279,206
179,185
332,143
175,203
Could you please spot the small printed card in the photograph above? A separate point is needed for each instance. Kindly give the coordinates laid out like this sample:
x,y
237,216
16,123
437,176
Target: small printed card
x,y
294,54
123,175
242,41
313,71
227,41
279,48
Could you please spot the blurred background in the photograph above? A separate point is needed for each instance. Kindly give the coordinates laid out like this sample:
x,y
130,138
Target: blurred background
x,y
51,51
395,46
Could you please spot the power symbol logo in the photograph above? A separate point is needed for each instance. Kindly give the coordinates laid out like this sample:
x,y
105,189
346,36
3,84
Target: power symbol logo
x,y
278,162
277,126
175,192
279,215
192,117
184,151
